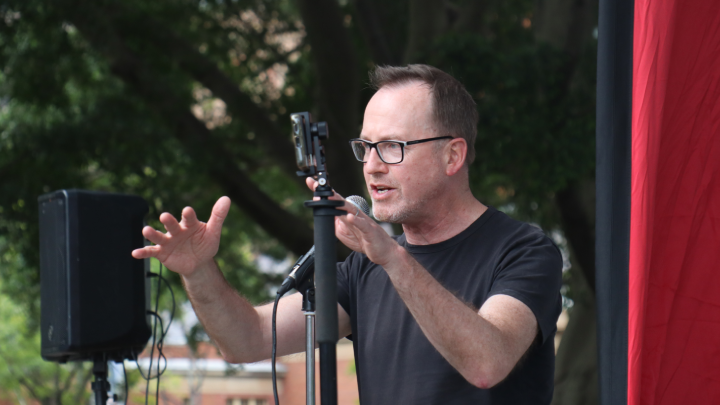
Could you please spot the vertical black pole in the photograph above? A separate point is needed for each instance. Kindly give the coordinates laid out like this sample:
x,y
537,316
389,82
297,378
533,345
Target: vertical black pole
x,y
614,136
326,291
326,302
100,386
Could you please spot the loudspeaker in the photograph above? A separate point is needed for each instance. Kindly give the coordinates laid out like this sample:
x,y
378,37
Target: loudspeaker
x,y
94,294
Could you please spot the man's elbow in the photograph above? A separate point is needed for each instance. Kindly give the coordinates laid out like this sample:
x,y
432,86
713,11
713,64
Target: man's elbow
x,y
236,358
487,377
231,358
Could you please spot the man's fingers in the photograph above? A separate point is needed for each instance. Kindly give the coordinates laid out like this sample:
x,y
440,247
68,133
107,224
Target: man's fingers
x,y
189,217
353,209
218,215
311,183
154,236
147,251
171,224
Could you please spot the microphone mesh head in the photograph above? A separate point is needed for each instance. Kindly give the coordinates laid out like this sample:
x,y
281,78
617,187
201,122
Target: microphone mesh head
x,y
359,202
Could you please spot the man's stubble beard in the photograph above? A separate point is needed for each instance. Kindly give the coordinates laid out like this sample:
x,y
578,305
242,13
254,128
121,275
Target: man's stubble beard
x,y
407,209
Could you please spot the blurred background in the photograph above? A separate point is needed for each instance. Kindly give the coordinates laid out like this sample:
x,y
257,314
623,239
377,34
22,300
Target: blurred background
x,y
183,101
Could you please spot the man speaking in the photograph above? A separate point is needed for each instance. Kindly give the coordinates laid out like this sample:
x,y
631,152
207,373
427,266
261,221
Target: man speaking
x,y
459,309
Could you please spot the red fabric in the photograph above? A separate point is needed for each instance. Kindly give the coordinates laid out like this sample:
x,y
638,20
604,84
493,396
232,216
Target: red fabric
x,y
674,269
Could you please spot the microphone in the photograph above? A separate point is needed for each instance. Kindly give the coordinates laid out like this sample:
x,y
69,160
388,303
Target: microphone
x,y
304,267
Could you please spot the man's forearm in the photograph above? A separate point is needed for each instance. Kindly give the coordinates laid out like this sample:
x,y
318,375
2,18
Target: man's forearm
x,y
474,346
229,319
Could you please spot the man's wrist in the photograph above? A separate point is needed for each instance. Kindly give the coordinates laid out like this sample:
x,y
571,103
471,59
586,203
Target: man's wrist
x,y
201,272
398,263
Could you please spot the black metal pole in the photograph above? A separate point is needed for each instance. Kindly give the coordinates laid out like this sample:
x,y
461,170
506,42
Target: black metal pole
x,y
613,167
308,308
100,386
324,213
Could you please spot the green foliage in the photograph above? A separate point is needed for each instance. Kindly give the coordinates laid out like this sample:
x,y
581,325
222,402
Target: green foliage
x,y
534,138
100,107
67,122
23,373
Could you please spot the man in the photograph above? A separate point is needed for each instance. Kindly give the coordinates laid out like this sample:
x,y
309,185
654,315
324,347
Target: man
x,y
409,304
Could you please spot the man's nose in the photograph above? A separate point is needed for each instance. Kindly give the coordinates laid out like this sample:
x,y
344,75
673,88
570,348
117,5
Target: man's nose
x,y
373,163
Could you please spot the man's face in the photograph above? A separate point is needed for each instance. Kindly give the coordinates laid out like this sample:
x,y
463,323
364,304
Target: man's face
x,y
402,192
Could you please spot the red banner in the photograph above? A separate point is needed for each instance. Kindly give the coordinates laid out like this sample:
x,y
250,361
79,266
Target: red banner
x,y
674,269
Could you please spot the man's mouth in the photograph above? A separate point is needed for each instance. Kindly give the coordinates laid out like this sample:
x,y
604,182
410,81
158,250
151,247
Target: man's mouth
x,y
379,191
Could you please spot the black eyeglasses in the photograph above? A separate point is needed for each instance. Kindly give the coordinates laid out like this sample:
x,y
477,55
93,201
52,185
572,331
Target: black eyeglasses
x,y
390,152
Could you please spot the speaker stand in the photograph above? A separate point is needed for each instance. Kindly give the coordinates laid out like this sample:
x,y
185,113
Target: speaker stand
x,y
101,386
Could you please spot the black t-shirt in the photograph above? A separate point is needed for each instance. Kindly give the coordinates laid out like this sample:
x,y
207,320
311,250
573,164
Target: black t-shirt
x,y
396,364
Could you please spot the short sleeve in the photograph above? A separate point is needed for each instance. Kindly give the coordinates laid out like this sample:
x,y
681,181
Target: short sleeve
x,y
531,271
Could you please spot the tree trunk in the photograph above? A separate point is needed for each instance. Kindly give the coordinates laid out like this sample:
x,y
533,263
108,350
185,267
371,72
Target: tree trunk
x,y
427,21
576,376
335,64
193,135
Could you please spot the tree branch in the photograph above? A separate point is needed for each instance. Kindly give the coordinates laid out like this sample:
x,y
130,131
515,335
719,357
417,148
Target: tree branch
x,y
273,141
373,34
578,231
566,25
193,135
28,386
335,63
80,388
68,381
427,20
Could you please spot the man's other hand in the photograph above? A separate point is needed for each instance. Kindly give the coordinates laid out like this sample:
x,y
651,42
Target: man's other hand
x,y
360,232
188,243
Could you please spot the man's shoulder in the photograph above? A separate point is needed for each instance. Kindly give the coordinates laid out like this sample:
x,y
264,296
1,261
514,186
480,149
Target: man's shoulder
x,y
511,229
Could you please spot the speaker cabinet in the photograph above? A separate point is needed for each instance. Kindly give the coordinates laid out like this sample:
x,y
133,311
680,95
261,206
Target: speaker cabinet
x,y
94,294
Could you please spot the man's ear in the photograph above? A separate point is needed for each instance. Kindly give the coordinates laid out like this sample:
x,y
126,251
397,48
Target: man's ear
x,y
455,155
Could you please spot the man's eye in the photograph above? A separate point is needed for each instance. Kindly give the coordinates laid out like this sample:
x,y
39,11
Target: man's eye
x,y
393,146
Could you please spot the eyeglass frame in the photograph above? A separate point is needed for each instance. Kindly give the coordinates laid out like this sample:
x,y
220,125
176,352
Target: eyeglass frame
x,y
403,144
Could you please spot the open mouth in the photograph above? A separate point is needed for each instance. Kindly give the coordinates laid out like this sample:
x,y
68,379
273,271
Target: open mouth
x,y
380,191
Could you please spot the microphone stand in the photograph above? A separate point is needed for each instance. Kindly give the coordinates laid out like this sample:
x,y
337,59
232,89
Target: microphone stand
x,y
324,212
308,307
310,158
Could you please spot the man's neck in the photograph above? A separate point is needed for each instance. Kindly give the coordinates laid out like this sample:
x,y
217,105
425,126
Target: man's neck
x,y
447,219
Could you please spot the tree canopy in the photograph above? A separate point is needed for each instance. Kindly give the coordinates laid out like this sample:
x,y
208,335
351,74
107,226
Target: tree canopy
x,y
182,101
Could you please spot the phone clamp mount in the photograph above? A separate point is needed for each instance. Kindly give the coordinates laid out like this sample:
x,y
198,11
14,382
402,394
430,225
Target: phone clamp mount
x,y
310,159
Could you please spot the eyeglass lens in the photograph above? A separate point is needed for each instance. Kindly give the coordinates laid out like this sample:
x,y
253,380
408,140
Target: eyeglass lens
x,y
390,152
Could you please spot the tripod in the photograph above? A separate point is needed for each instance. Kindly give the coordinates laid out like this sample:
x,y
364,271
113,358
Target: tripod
x,y
101,385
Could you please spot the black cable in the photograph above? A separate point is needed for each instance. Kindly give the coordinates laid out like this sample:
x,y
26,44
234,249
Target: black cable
x,y
157,341
159,346
274,348
172,295
137,364
152,348
152,353
162,339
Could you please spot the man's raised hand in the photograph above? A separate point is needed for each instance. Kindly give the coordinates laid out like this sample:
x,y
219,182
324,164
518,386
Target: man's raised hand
x,y
359,232
188,243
